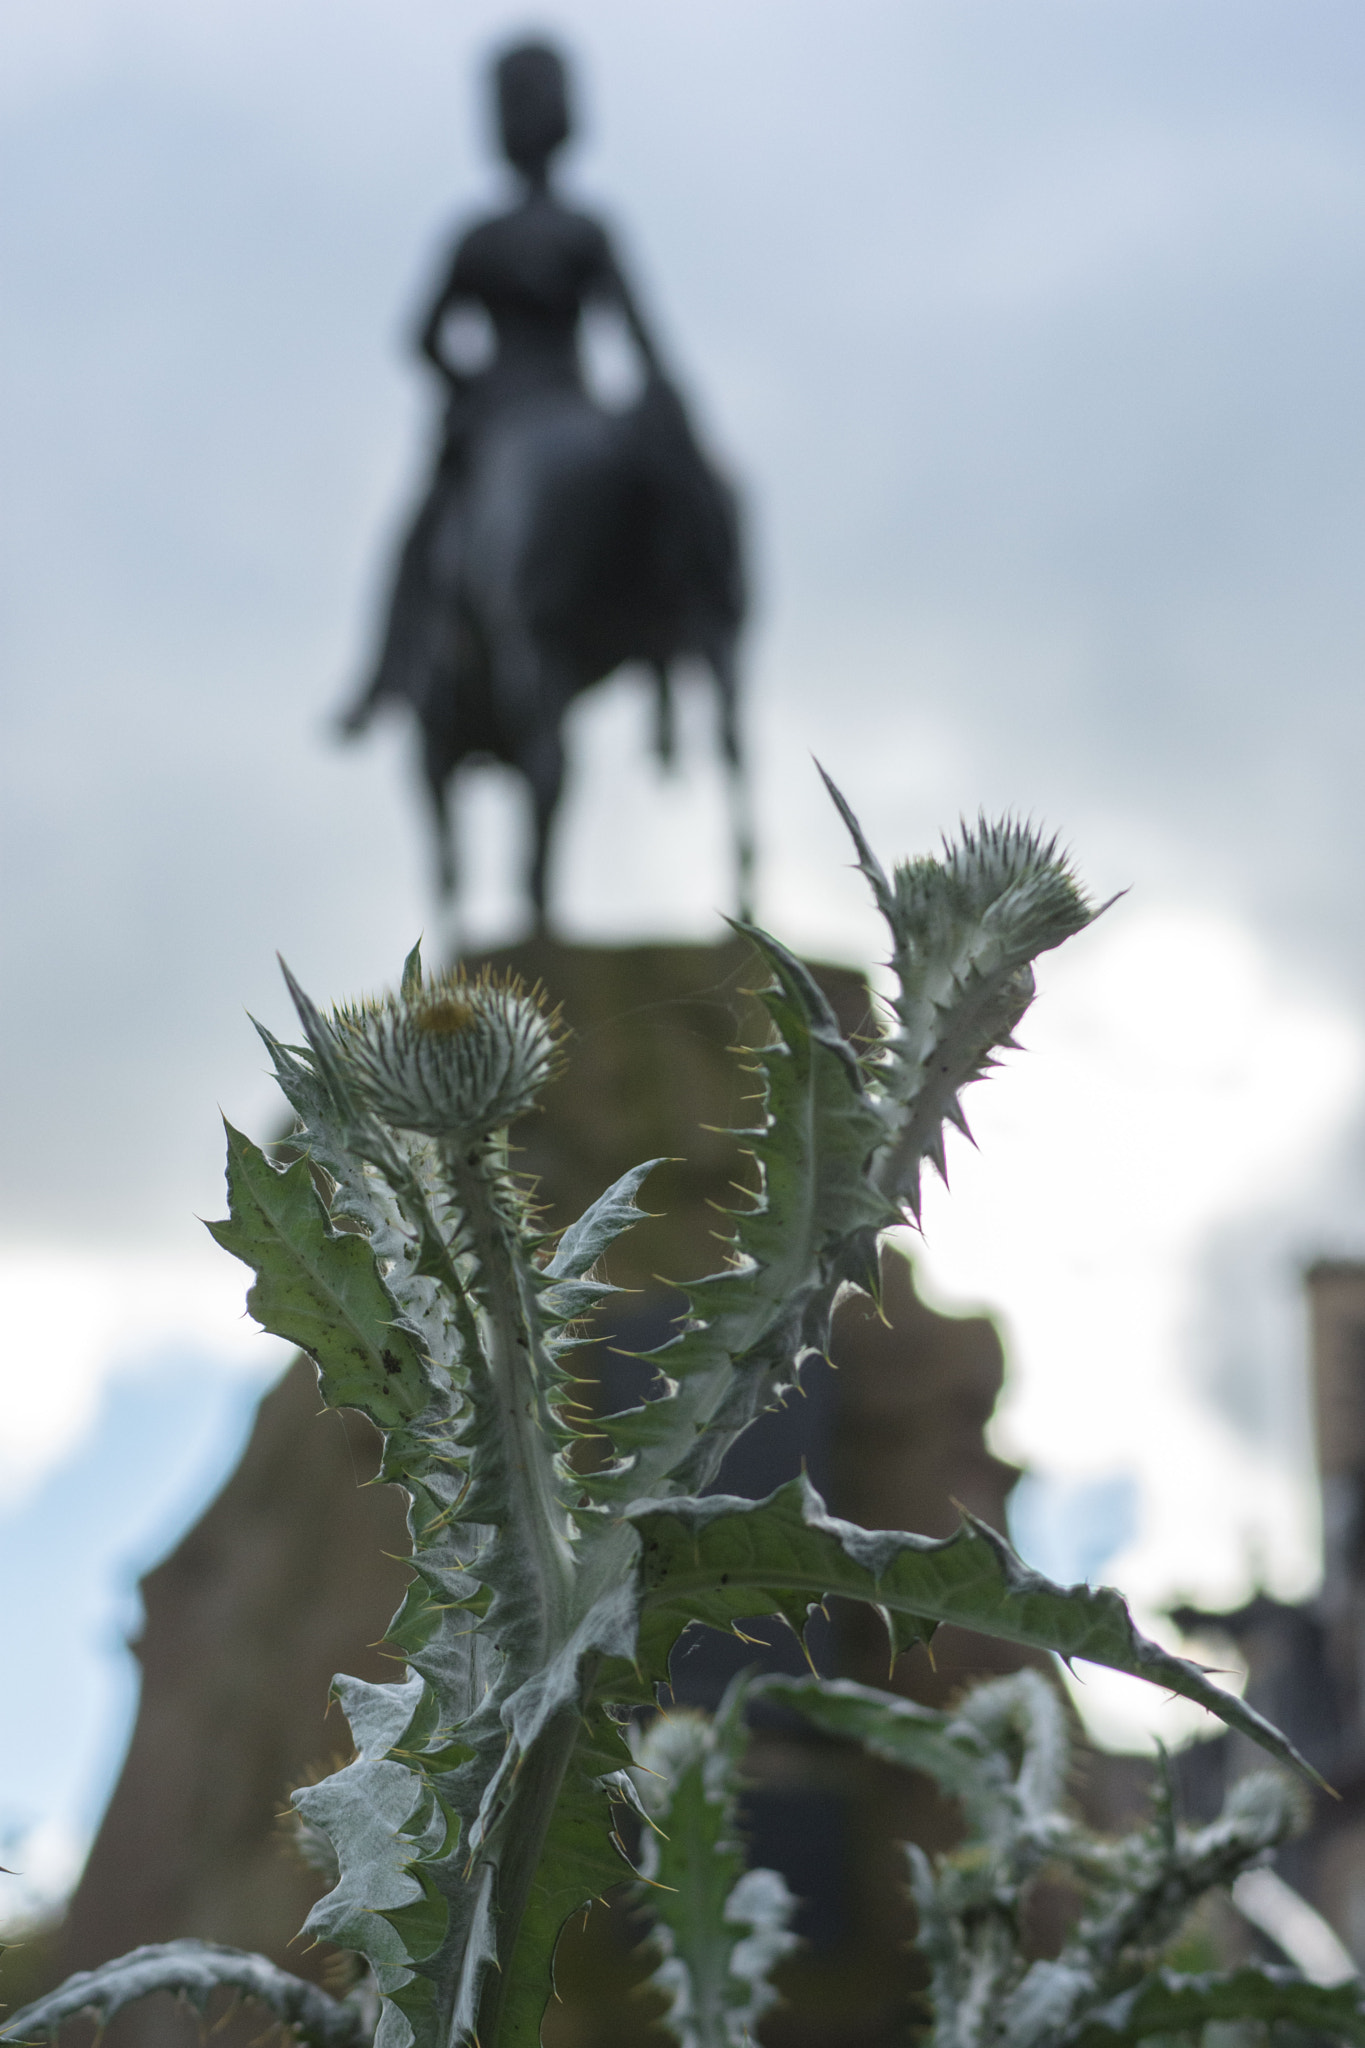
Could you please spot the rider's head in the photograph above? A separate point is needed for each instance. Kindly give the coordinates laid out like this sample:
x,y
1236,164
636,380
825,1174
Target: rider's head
x,y
533,106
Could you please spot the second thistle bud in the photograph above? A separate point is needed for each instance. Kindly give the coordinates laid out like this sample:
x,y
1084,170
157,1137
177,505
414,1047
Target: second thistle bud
x,y
450,1057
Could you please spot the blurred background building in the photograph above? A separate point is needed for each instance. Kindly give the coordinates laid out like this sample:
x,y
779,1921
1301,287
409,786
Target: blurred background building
x,y
1305,1662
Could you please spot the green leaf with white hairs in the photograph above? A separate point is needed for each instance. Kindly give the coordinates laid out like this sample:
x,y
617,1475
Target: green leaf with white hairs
x,y
194,1971
597,1229
719,1929
720,1559
946,1746
1002,1752
318,1287
1168,2003
566,1287
841,1139
579,1859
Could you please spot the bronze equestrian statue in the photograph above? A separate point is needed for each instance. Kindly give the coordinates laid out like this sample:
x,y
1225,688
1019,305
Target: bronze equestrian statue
x,y
557,539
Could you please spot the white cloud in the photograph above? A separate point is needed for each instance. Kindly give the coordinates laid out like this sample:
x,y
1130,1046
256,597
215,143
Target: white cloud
x,y
72,1321
1173,1085
43,1862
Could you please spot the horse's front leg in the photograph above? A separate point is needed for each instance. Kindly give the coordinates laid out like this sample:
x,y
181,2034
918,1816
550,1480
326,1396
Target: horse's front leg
x,y
722,662
437,771
742,831
542,763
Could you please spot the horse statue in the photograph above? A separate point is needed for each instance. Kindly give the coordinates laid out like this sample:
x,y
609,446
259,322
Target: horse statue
x,y
558,539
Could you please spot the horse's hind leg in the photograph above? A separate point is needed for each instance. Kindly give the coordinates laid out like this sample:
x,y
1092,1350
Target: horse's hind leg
x,y
722,660
665,726
742,828
436,774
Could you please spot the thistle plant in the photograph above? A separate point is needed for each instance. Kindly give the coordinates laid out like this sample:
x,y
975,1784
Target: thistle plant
x,y
1003,1755
400,1250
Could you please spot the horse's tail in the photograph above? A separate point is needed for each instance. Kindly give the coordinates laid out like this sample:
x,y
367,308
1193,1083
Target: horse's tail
x,y
697,511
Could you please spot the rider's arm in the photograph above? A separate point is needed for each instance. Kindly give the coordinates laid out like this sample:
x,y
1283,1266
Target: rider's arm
x,y
634,320
453,292
614,291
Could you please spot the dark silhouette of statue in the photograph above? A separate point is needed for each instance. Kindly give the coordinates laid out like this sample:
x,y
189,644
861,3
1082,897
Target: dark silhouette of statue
x,y
558,539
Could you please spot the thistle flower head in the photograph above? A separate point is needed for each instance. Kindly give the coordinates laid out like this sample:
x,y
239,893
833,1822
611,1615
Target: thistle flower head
x,y
452,1057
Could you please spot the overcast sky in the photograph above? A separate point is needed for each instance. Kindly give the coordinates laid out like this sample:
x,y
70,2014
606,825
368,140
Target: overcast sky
x,y
1032,334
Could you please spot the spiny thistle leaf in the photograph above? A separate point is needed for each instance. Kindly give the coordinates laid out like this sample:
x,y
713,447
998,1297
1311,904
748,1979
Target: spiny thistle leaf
x,y
580,1859
959,1749
194,1970
721,1558
1142,1887
318,1287
719,1929
1168,2003
598,1228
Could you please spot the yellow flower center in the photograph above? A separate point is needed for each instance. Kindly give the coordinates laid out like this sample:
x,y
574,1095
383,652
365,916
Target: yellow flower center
x,y
445,1015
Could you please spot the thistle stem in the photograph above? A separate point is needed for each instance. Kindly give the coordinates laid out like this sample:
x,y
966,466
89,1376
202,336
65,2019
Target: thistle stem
x,y
509,1341
523,1827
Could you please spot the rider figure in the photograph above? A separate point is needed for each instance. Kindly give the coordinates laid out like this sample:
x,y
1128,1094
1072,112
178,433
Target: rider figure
x,y
533,269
